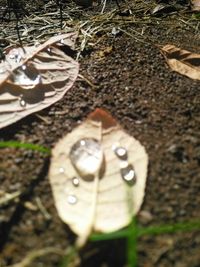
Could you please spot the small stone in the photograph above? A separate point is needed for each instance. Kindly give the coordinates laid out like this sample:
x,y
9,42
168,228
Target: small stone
x,y
145,216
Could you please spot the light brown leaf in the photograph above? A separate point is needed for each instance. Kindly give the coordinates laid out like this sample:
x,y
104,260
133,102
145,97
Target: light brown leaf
x,y
98,176
34,78
195,5
182,61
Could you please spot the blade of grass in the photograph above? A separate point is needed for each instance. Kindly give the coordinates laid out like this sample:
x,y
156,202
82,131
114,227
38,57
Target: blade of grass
x,y
132,244
109,236
152,230
170,228
29,146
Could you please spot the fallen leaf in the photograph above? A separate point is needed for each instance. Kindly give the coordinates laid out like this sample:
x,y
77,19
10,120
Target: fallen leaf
x,y
34,78
195,5
162,9
98,176
182,61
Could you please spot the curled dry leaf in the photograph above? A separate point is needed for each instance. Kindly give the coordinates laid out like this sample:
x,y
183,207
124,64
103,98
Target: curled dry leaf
x,y
33,78
182,61
98,176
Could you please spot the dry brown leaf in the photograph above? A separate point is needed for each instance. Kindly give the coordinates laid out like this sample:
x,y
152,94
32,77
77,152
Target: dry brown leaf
x,y
98,176
182,61
195,5
33,78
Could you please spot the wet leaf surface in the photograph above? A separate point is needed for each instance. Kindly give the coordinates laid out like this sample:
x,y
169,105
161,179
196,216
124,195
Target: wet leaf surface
x,y
33,78
98,176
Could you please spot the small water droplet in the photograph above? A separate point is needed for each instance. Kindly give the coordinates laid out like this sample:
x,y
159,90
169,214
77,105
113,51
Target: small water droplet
x,y
82,142
49,50
121,153
15,55
61,170
62,41
23,67
72,199
128,174
22,102
86,156
75,181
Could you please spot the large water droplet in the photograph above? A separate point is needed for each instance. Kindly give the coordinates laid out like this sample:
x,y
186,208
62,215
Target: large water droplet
x,y
26,76
72,199
75,181
128,174
121,153
86,156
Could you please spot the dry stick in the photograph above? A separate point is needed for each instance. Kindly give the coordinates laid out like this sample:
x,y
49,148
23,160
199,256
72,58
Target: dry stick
x,y
36,254
9,197
104,6
43,210
87,81
17,28
59,3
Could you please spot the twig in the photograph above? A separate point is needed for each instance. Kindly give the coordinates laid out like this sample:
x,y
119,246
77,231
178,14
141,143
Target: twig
x,y
36,254
8,197
42,209
87,81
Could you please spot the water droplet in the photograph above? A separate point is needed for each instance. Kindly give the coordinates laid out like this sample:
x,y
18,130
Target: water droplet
x,y
86,156
128,174
61,170
26,76
22,102
82,142
72,199
121,153
75,181
15,55
49,50
62,41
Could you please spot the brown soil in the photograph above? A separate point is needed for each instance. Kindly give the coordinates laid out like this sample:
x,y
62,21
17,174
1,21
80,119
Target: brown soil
x,y
157,106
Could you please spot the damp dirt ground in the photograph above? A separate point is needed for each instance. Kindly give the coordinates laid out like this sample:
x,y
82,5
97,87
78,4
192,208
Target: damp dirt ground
x,y
130,78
